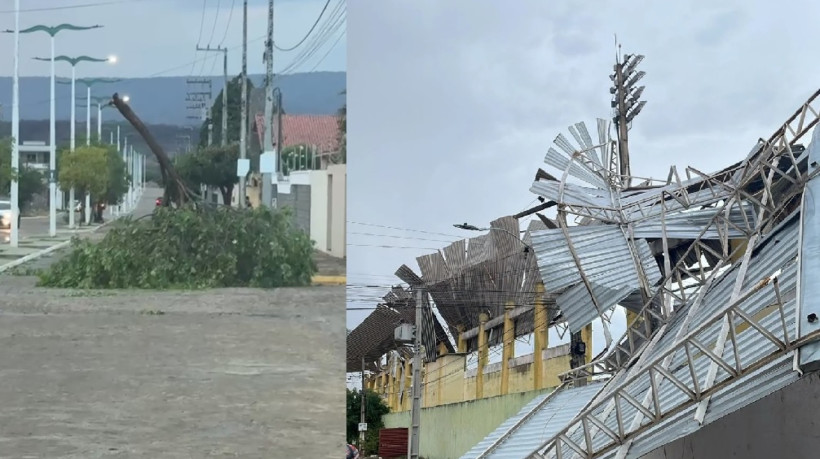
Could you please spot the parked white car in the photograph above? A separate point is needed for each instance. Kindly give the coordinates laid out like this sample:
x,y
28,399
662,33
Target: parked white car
x,y
5,215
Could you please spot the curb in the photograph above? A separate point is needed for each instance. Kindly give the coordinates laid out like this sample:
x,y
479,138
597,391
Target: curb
x,y
33,256
329,280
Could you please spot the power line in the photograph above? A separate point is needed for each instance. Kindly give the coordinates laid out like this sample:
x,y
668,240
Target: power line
x,y
228,25
332,47
308,32
329,27
199,38
69,7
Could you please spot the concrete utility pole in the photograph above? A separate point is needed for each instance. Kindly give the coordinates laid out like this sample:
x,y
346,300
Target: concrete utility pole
x,y
267,174
415,422
243,123
362,419
626,105
224,52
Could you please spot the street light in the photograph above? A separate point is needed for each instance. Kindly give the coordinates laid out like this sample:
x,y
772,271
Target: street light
x,y
74,61
469,227
52,166
88,82
15,131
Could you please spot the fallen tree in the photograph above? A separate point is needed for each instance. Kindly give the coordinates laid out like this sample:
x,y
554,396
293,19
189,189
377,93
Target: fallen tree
x,y
188,245
191,248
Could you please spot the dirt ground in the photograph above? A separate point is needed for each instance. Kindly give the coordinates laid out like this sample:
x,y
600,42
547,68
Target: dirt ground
x,y
223,373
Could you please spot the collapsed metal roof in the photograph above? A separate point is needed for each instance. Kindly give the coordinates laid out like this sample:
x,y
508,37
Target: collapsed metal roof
x,y
722,321
374,337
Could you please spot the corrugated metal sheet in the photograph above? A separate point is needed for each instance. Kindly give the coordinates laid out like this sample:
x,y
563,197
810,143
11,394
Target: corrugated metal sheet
x,y
393,443
578,309
606,260
690,224
776,252
542,421
572,195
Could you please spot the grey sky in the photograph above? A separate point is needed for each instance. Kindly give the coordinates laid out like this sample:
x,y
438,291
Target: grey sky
x,y
159,36
454,104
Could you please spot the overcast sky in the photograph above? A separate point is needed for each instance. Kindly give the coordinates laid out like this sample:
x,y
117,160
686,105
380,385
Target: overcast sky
x,y
453,105
159,37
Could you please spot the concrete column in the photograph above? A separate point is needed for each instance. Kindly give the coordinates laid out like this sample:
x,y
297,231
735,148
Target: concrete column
x,y
508,347
541,336
483,355
462,343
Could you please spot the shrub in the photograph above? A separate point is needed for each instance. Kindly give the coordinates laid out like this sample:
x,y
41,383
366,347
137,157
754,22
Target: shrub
x,y
190,248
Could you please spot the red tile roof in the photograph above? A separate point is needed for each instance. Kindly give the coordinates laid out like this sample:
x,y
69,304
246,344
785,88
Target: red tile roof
x,y
319,130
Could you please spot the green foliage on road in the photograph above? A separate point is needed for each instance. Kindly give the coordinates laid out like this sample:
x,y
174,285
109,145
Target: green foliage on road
x,y
212,166
30,181
96,169
190,248
375,409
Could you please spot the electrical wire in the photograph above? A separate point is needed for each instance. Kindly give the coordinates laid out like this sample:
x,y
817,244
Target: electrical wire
x,y
335,21
308,32
329,50
210,39
228,25
199,38
69,7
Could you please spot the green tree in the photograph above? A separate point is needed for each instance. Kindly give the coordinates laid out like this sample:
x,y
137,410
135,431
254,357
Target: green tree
x,y
95,169
375,409
32,182
213,166
234,114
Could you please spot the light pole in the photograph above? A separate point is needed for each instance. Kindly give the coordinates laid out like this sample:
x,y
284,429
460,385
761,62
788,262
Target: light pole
x,y
74,61
88,82
15,130
52,163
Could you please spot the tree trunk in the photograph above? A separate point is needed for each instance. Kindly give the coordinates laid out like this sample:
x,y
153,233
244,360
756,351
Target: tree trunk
x,y
182,193
227,192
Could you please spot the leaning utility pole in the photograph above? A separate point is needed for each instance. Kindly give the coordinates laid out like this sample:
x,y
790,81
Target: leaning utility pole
x,y
224,52
626,105
267,172
415,422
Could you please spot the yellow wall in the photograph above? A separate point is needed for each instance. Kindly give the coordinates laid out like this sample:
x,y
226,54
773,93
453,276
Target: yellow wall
x,y
446,380
473,421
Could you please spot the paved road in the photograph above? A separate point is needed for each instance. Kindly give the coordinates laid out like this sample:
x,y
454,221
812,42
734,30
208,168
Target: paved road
x,y
221,373
38,226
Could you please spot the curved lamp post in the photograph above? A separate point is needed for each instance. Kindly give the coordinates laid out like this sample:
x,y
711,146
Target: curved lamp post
x,y
89,82
52,162
74,61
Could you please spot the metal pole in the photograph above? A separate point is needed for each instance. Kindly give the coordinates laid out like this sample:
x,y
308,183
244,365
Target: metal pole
x,y
243,124
267,177
88,115
415,425
99,122
15,130
362,419
73,145
125,161
52,160
225,98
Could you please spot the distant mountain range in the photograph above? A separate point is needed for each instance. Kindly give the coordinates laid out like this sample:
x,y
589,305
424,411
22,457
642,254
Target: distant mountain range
x,y
161,100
